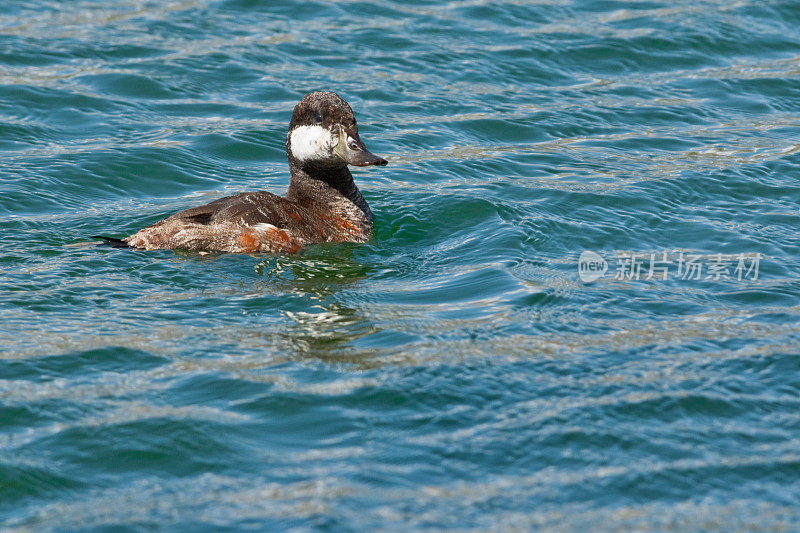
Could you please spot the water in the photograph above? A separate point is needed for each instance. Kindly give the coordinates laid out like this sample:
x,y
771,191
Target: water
x,y
455,373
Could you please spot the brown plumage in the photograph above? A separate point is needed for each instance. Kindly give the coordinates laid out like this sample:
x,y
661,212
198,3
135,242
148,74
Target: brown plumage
x,y
322,204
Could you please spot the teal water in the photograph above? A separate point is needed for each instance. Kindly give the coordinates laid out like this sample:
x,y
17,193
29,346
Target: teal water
x,y
455,373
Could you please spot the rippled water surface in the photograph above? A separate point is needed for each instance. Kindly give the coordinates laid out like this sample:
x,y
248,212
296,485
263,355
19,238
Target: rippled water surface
x,y
456,372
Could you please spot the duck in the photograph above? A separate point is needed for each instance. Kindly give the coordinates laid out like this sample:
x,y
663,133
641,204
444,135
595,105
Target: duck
x,y
322,204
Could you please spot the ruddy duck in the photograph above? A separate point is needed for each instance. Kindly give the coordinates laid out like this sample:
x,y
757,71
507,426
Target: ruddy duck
x,y
322,204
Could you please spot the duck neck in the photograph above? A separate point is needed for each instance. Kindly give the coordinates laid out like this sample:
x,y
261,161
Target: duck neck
x,y
325,185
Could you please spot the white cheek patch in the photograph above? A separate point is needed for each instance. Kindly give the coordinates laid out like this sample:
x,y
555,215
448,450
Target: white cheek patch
x,y
312,142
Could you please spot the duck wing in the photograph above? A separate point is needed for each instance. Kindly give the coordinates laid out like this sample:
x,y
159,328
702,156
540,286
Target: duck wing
x,y
247,209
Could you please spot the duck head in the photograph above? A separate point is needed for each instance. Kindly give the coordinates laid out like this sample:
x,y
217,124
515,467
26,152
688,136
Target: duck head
x,y
323,133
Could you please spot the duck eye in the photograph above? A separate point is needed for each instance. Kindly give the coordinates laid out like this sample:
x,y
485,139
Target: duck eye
x,y
319,118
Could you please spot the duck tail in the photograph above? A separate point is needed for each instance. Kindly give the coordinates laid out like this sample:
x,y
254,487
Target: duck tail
x,y
112,241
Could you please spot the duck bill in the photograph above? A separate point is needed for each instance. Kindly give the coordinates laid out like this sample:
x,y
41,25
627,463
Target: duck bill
x,y
353,152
